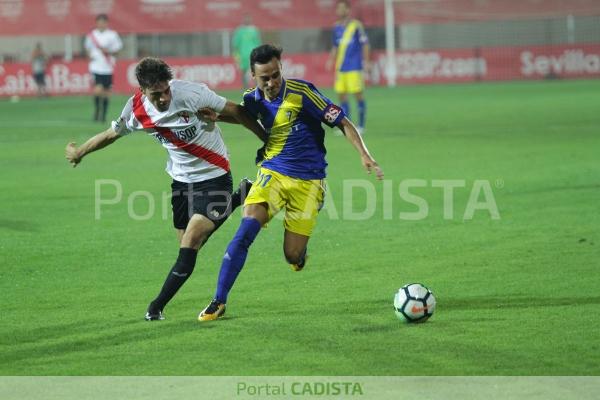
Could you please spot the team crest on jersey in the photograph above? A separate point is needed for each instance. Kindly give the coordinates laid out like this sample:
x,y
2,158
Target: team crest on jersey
x,y
184,115
332,112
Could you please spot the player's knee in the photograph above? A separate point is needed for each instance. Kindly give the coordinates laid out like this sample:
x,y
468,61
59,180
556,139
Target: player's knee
x,y
195,236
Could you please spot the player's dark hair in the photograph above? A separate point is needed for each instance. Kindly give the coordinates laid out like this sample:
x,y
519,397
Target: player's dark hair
x,y
346,2
151,70
101,17
264,53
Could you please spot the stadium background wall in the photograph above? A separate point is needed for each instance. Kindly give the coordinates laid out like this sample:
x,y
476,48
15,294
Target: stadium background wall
x,y
435,41
418,66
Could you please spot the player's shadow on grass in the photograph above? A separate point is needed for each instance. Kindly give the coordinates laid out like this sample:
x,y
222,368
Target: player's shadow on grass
x,y
20,226
500,302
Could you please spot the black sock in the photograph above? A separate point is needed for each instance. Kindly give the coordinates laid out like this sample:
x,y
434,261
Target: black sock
x,y
104,108
96,108
181,271
238,197
236,200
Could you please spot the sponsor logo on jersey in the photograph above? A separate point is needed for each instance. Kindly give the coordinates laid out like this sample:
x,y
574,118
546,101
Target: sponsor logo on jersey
x,y
185,135
332,112
185,116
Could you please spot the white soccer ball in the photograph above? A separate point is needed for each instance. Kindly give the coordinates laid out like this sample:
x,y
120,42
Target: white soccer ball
x,y
414,303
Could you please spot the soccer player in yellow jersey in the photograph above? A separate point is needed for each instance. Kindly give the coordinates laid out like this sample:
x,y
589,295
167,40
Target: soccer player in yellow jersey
x,y
292,167
350,54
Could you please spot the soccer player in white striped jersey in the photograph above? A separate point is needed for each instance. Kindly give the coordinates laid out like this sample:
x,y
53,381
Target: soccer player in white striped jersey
x,y
167,110
101,45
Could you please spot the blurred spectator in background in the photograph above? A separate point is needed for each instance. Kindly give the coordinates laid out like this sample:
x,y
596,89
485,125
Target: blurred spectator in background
x,y
350,53
102,44
39,61
245,38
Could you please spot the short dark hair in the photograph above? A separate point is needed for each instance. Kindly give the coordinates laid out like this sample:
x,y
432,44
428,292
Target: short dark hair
x,y
151,70
346,2
264,53
101,17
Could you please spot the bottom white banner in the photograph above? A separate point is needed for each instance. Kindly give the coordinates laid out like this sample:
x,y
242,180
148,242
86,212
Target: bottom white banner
x,y
300,387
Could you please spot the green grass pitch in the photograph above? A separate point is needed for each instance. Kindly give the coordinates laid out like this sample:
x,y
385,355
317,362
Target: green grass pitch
x,y
518,295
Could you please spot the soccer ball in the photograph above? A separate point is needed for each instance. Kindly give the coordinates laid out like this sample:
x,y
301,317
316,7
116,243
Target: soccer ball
x,y
414,303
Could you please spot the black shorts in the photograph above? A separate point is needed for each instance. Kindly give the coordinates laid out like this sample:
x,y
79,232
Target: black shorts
x,y
40,78
211,198
103,80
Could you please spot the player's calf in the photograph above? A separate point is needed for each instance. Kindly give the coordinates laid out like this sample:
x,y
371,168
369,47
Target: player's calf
x,y
181,271
297,260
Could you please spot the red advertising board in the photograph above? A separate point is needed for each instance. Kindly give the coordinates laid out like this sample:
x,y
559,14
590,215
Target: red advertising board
x,y
57,17
217,72
413,67
20,17
491,64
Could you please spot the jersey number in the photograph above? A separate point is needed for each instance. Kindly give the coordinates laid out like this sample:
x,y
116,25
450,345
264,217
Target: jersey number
x,y
263,179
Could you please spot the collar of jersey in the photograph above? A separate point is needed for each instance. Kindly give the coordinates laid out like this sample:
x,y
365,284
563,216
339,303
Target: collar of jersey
x,y
258,95
342,23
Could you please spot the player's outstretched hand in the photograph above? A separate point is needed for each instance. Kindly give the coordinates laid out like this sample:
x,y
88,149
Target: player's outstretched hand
x,y
71,154
207,114
371,165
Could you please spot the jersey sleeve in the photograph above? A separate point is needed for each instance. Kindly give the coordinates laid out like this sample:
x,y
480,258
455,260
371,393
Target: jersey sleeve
x,y
249,103
320,107
198,95
116,43
124,124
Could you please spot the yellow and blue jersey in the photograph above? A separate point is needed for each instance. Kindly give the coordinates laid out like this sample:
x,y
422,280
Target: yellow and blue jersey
x,y
349,39
293,120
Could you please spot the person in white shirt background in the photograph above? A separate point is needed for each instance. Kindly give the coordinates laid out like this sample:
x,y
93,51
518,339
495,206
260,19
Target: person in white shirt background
x,y
102,44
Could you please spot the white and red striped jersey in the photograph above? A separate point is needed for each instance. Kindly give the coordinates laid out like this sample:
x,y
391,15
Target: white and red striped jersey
x,y
100,45
196,149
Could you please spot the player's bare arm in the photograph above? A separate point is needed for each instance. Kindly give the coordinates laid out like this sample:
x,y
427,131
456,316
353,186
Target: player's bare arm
x,y
331,58
366,52
242,116
354,137
74,154
207,114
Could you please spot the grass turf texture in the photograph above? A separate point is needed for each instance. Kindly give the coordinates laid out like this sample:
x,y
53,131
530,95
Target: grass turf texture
x,y
519,295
